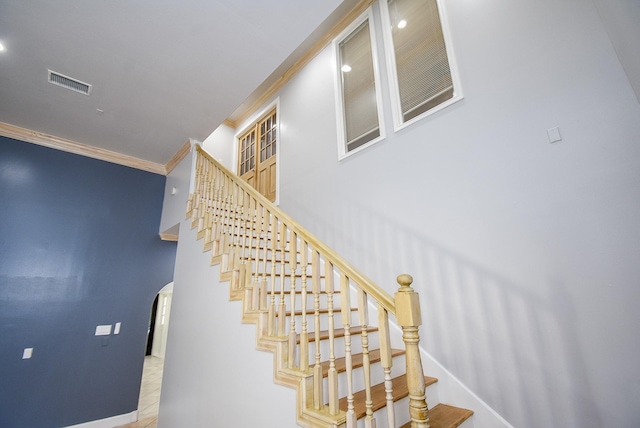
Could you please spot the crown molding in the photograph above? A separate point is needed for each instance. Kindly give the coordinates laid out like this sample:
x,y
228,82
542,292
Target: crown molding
x,y
29,136
180,154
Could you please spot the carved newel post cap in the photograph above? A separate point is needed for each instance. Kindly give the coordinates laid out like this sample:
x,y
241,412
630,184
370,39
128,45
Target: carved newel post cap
x,y
407,303
405,281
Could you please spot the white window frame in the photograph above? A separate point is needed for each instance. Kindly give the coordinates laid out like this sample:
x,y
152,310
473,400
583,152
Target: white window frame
x,y
367,15
396,107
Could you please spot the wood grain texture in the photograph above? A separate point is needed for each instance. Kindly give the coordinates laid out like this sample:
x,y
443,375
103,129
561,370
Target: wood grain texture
x,y
378,395
445,416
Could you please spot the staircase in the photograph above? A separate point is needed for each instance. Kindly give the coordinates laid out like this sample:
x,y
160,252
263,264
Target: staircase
x,y
326,323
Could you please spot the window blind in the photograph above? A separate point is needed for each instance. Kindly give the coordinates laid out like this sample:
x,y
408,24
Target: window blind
x,y
422,66
358,88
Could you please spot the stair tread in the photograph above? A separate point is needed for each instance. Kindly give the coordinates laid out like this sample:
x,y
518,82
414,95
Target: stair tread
x,y
378,395
288,274
338,332
311,312
298,291
356,361
445,416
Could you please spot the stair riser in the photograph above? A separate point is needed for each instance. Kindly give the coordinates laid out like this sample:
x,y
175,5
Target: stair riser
x,y
339,347
401,411
377,376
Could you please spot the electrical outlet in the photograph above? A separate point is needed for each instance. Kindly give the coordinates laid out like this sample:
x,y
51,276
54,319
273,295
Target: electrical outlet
x,y
27,353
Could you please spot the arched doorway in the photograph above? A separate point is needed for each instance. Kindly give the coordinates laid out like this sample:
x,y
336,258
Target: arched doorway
x,y
159,322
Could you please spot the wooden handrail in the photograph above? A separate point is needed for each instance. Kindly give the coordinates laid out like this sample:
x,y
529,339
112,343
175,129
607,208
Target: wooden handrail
x,y
257,242
366,284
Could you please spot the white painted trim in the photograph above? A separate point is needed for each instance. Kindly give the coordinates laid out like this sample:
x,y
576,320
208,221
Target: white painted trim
x,y
392,75
111,422
367,15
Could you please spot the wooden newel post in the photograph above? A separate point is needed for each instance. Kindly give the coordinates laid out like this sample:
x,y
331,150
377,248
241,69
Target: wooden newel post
x,y
408,315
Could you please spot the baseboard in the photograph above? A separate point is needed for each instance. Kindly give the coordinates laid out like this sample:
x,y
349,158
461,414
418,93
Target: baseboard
x,y
111,422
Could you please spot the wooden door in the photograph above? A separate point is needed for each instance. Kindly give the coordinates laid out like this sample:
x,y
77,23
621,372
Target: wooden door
x,y
258,155
247,167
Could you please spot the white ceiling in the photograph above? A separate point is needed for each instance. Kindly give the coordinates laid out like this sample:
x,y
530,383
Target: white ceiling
x,y
162,71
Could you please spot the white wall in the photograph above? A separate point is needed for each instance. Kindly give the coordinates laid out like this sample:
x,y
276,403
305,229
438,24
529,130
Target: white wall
x,y
212,370
218,145
525,253
174,205
620,18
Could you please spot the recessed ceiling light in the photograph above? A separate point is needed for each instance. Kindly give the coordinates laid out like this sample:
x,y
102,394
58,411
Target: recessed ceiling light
x,y
2,48
402,24
346,68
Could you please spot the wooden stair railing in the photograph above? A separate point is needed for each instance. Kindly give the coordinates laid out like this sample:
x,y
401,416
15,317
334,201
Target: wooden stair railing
x,y
312,310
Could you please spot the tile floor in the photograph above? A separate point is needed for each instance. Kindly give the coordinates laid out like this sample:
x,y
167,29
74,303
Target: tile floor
x,y
149,394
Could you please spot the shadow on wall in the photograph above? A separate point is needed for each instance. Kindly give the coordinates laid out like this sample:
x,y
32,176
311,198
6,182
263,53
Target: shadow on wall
x,y
517,350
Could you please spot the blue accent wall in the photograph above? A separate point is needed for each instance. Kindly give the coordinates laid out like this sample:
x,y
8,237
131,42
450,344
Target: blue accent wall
x,y
79,247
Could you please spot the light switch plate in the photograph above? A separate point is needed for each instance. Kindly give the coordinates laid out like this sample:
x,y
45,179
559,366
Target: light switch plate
x,y
554,135
103,330
116,329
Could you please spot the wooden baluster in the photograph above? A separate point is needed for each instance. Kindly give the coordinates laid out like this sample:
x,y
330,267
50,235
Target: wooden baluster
x,y
304,335
223,219
202,204
251,249
260,248
293,264
332,379
318,379
409,318
282,314
386,361
208,225
227,209
202,212
262,295
271,322
239,229
218,216
363,313
243,226
235,227
215,205
345,302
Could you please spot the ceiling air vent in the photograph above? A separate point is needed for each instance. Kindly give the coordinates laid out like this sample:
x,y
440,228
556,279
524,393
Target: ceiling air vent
x,y
69,83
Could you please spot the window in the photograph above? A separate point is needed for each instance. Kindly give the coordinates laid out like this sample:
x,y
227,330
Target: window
x,y
359,121
423,81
